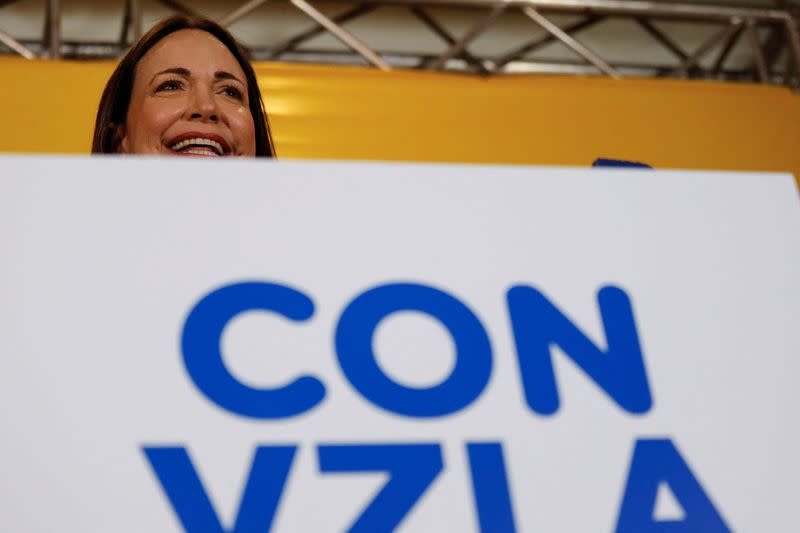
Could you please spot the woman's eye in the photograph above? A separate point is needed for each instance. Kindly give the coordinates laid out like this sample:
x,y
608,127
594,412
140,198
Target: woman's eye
x,y
233,92
171,85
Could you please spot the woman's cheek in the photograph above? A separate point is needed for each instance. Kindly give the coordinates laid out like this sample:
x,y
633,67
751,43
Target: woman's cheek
x,y
165,114
245,131
162,115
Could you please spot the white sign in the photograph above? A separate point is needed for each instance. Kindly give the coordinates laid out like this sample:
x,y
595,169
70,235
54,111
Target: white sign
x,y
320,347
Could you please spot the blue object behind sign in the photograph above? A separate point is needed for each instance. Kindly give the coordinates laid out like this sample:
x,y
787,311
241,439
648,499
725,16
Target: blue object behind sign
x,y
602,162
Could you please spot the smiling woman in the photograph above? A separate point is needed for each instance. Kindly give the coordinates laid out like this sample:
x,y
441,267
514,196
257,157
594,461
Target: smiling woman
x,y
186,88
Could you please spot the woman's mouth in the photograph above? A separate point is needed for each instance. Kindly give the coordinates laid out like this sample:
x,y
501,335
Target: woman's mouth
x,y
198,146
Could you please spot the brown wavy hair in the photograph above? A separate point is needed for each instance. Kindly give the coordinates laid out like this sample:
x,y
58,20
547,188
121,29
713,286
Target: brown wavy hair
x,y
116,97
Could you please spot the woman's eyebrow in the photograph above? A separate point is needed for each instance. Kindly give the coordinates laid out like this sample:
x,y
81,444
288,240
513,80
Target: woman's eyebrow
x,y
180,71
222,75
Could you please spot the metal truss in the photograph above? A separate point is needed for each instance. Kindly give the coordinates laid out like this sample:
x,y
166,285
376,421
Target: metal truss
x,y
771,34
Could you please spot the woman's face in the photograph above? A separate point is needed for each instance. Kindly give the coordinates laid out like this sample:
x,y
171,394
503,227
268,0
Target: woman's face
x,y
189,98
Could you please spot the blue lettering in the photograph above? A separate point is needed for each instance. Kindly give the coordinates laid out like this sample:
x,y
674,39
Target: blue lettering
x,y
658,461
490,487
181,484
619,371
201,351
354,349
411,467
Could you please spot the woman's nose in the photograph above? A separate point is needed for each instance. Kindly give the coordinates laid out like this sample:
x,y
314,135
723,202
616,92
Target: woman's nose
x,y
204,107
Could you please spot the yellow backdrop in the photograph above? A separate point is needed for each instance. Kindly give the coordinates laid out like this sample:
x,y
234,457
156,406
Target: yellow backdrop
x,y
357,113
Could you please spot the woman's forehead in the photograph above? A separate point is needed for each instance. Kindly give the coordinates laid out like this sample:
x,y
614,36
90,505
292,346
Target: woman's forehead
x,y
195,50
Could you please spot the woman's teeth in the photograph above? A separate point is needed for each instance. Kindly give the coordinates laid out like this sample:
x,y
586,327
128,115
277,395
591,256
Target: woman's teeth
x,y
200,151
198,146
